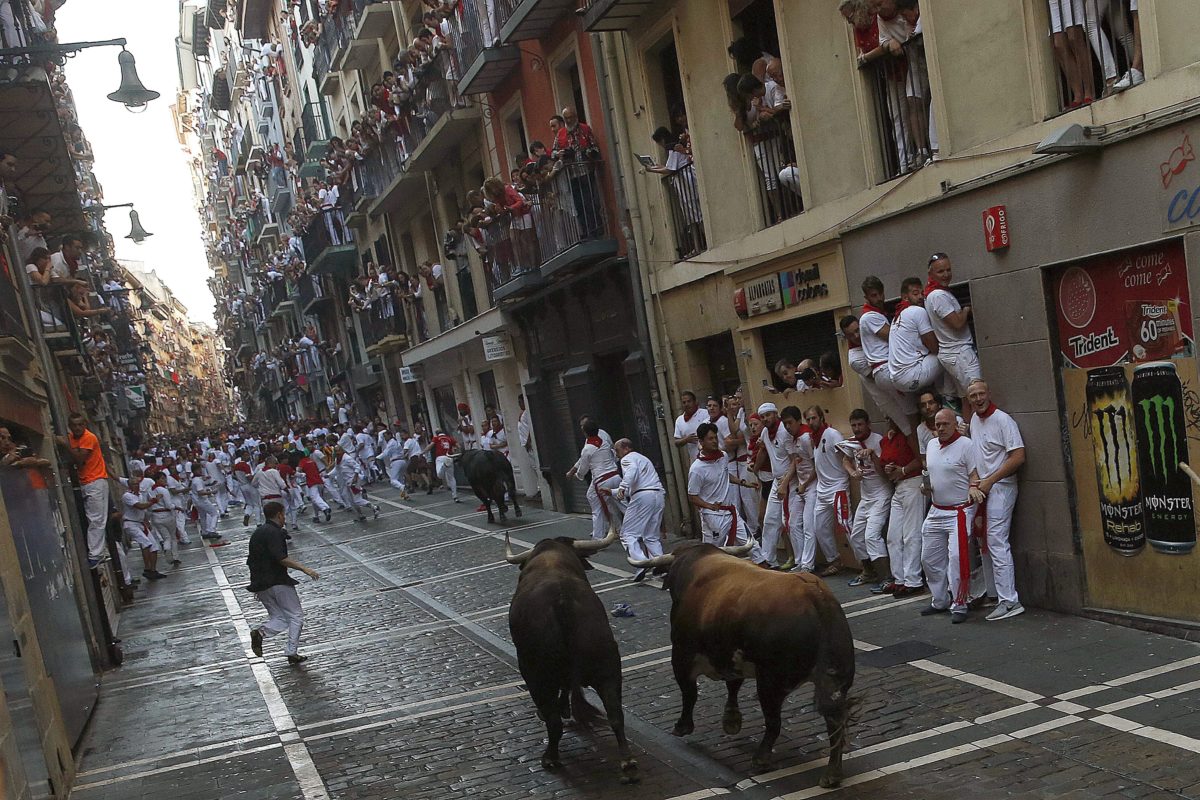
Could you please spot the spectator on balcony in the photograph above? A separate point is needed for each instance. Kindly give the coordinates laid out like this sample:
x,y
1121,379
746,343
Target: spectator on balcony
x,y
38,267
1069,36
861,17
80,302
31,233
578,148
512,205
766,138
680,174
917,84
16,455
327,196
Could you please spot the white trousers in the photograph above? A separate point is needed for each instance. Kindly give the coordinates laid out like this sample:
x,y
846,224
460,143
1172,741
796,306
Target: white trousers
x,y
163,526
598,503
823,515
138,534
181,524
943,546
714,528
222,498
960,367
866,534
206,514
998,560
283,614
773,524
924,374
641,524
397,469
253,505
315,494
235,490
745,499
907,515
445,473
350,498
95,506
890,402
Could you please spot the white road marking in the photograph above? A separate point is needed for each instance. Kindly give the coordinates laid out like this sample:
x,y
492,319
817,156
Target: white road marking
x,y
191,751
183,765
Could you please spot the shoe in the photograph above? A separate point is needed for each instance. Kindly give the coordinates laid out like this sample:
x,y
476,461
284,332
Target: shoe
x,y
901,592
885,587
831,569
287,536
457,500
1005,610
328,514
858,580
246,520
175,562
482,507
957,617
256,640
1134,77
93,563
787,565
797,569
297,659
376,512
641,574
929,611
316,519
219,543
153,575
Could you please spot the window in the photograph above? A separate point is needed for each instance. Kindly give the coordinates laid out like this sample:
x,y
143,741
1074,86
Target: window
x,y
513,129
568,87
799,339
1097,48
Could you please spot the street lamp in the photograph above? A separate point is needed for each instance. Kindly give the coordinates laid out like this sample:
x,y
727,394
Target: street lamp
x,y
136,232
131,93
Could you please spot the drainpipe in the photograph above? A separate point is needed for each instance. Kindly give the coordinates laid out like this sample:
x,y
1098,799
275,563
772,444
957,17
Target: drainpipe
x,y
612,99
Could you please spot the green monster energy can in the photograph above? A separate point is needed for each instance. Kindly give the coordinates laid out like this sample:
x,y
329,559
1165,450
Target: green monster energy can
x,y
1162,446
1110,416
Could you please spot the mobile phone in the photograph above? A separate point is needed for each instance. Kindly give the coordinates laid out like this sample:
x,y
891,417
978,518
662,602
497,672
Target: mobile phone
x,y
807,375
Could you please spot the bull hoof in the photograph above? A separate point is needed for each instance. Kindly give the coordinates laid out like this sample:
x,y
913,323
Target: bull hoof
x,y
831,780
762,760
518,512
629,772
503,519
682,729
731,723
550,764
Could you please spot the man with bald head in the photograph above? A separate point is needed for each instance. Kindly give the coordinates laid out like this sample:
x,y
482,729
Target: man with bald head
x,y
641,488
578,148
952,461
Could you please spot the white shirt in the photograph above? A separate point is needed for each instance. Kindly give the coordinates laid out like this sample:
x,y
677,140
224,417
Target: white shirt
x,y
177,491
59,268
779,450
940,304
410,448
709,480
926,434
905,348
801,450
164,504
523,429
637,474
392,450
135,493
896,28
995,437
499,438
827,460
366,444
874,346
950,470
599,460
269,482
349,443
873,483
738,458
198,486
685,427
349,467
214,472
859,361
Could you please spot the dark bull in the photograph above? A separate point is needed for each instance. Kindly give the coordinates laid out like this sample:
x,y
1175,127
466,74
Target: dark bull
x,y
491,476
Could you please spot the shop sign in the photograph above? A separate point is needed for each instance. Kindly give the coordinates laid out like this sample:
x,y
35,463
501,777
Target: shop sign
x,y
1127,307
801,285
1181,187
407,375
995,228
762,296
136,395
497,347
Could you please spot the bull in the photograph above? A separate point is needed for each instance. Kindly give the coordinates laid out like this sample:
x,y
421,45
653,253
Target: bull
x,y
491,475
731,620
564,641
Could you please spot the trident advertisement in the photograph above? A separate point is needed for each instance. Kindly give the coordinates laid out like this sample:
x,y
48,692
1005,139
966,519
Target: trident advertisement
x,y
1124,308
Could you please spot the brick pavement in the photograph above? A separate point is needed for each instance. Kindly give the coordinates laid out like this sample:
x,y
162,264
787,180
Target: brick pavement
x,y
411,689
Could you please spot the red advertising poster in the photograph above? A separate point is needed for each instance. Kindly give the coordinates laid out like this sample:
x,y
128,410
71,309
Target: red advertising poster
x,y
1125,307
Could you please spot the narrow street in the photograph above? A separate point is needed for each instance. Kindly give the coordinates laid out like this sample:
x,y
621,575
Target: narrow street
x,y
411,689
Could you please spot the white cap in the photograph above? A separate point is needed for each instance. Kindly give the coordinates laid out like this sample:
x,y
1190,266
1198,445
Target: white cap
x,y
767,407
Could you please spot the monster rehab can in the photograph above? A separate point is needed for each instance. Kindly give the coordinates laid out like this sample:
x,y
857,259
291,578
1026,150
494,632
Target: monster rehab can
x,y
1113,443
1161,446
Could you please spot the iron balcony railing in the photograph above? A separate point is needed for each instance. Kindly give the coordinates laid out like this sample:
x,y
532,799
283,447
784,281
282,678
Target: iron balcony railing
x,y
687,217
314,124
479,27
382,317
58,325
778,178
335,34
326,229
1097,49
311,288
904,126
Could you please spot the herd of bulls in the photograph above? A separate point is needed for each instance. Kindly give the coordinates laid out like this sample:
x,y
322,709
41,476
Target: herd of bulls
x,y
730,621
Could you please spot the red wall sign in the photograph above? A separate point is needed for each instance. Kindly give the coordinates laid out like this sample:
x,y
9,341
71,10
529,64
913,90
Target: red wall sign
x,y
1124,308
995,228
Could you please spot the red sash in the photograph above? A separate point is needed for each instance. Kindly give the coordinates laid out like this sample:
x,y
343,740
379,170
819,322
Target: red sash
x,y
731,539
841,511
603,502
964,554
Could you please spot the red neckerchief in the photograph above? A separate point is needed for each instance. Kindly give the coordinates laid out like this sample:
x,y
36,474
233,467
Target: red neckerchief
x,y
868,307
594,441
903,304
688,417
953,439
862,439
987,412
771,430
933,286
702,456
713,420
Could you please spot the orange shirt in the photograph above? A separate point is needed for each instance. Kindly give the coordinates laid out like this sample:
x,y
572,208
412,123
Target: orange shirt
x,y
93,469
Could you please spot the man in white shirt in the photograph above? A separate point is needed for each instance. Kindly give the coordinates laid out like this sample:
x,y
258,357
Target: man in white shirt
x,y
525,437
874,331
912,344
366,453
498,438
394,462
743,484
179,499
708,490
135,500
779,443
1001,453
597,465
410,448
203,490
831,504
874,500
956,345
162,519
641,487
215,476
686,425
270,485
952,461
244,470
351,476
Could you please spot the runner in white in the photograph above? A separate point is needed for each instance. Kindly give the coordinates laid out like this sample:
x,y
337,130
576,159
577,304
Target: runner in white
x,y
708,490
394,462
874,500
779,444
744,490
597,465
686,425
162,519
905,517
641,531
874,331
956,344
912,344
832,494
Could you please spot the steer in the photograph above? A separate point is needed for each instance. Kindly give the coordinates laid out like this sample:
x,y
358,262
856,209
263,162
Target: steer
x,y
564,641
731,620
491,474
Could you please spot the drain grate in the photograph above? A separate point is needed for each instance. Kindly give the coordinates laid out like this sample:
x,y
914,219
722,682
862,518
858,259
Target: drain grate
x,y
899,653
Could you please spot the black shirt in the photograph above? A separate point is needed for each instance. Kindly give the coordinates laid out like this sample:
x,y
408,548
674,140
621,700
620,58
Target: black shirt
x,y
268,546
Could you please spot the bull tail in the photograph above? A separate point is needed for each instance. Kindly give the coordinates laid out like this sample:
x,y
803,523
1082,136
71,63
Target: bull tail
x,y
584,713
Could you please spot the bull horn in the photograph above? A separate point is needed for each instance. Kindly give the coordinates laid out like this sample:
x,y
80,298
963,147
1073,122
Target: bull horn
x,y
518,558
596,545
739,550
658,561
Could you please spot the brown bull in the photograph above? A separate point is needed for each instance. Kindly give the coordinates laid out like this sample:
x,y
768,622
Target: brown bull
x,y
731,620
564,641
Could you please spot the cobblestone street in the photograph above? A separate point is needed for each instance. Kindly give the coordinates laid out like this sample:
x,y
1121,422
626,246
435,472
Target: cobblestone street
x,y
411,689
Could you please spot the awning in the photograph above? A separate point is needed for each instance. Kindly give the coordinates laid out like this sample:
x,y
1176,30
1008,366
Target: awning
x,y
45,179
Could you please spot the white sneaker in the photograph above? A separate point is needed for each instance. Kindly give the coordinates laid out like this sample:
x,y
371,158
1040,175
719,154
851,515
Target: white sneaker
x,y
1134,77
1004,610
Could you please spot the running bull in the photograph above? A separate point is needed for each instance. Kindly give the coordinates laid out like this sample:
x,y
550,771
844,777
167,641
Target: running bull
x,y
564,641
731,620
491,475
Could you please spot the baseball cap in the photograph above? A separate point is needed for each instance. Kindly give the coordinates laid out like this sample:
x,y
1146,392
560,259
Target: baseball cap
x,y
767,408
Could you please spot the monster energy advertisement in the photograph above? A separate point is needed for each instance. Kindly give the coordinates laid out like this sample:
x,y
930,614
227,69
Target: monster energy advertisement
x,y
1114,446
1161,446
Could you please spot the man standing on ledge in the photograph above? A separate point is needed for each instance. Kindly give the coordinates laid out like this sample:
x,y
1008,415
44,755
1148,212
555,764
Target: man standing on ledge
x,y
273,586
84,449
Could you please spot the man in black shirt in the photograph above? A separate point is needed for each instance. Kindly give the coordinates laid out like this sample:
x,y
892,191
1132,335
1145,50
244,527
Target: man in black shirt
x,y
272,585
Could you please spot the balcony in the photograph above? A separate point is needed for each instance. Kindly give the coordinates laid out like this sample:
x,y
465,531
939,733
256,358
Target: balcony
x,y
315,293
687,217
900,96
58,325
335,35
778,178
316,136
616,15
254,18
244,145
485,62
329,245
247,343
375,21
519,20
281,298
383,324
